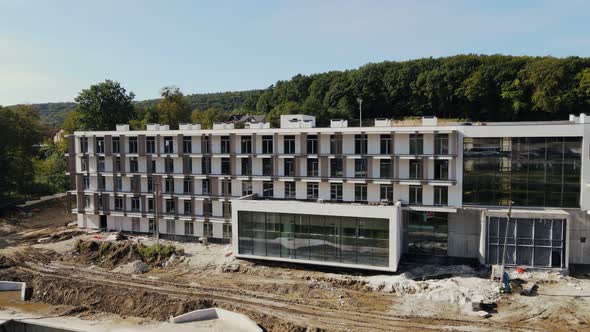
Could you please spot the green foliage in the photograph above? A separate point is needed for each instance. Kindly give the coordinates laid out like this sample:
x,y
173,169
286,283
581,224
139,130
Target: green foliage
x,y
156,253
173,108
103,106
50,166
20,131
208,117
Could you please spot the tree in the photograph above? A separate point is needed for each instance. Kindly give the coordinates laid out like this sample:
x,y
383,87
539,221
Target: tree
x,y
207,118
20,131
173,108
103,106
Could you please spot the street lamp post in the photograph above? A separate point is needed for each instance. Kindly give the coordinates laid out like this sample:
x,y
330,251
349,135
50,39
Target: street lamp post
x,y
360,101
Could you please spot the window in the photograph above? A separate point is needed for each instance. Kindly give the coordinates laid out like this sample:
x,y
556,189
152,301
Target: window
x,y
360,168
312,144
267,189
335,144
227,231
415,169
170,206
246,166
226,187
289,167
153,166
101,182
289,144
86,182
116,145
246,144
225,144
99,145
441,144
360,144
386,192
225,166
187,185
169,185
132,144
208,229
312,167
206,165
188,207
360,192
118,203
385,169
312,190
207,208
441,195
168,145
151,225
385,144
84,164
267,144
246,188
187,145
267,167
205,145
150,184
133,167
227,209
441,169
135,184
189,227
415,194
150,145
119,183
117,164
416,144
135,204
150,202
171,226
86,201
336,167
290,190
169,165
100,164
336,191
205,186
84,144
187,165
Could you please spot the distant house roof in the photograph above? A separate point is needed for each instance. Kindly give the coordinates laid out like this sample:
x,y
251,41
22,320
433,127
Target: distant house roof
x,y
245,118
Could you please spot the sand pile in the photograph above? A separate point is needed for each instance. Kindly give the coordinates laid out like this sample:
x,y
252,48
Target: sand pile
x,y
135,267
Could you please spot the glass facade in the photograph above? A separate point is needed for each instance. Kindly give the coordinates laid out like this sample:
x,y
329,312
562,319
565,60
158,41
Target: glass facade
x,y
530,242
530,171
349,240
427,232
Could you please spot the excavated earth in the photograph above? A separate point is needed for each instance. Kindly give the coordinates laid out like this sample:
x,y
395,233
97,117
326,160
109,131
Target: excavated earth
x,y
279,297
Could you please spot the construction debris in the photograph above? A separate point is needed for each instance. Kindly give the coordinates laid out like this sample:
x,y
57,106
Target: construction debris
x,y
135,267
529,289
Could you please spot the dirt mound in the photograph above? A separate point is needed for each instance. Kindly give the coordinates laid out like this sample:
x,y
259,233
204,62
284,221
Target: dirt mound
x,y
111,254
135,267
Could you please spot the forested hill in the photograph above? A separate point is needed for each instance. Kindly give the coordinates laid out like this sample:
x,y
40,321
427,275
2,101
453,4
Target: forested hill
x,y
475,87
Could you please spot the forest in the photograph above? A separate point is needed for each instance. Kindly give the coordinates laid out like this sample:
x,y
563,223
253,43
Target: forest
x,y
468,87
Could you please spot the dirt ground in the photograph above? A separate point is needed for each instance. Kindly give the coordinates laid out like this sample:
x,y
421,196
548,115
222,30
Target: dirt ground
x,y
279,297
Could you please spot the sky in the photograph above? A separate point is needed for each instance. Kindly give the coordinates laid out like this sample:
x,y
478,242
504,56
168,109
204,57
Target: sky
x,y
51,50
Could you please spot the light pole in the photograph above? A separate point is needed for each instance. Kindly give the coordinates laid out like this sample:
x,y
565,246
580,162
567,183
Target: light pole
x,y
360,101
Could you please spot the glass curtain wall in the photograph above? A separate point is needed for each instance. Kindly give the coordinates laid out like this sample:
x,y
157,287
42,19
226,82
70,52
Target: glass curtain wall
x,y
427,232
532,171
350,240
530,242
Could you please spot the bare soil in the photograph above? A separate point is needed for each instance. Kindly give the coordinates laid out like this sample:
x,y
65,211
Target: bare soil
x,y
279,297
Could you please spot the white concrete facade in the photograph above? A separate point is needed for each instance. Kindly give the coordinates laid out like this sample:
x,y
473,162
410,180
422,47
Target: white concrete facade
x,y
202,173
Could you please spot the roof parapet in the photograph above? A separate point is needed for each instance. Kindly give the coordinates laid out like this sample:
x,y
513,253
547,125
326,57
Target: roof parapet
x,y
256,125
122,127
157,127
338,123
189,126
223,125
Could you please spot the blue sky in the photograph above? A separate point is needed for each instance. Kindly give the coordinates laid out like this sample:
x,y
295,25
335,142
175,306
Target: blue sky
x,y
50,50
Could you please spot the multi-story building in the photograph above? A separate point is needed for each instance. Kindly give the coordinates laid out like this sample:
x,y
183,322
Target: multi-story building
x,y
343,196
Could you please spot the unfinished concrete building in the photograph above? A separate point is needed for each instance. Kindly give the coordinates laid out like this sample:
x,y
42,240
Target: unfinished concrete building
x,y
347,197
